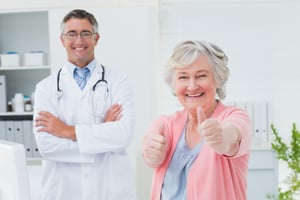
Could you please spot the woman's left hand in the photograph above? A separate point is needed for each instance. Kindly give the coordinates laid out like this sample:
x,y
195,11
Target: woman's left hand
x,y
224,138
211,131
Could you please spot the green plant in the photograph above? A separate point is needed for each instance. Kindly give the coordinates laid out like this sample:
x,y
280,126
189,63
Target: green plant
x,y
290,154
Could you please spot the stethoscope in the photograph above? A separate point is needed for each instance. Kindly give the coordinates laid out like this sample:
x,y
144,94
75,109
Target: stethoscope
x,y
102,80
99,100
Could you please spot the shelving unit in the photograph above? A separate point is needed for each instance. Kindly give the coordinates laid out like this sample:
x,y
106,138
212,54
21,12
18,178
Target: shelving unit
x,y
23,80
22,32
16,116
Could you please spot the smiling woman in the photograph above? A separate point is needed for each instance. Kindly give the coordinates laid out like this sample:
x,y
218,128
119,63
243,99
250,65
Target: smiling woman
x,y
197,151
194,85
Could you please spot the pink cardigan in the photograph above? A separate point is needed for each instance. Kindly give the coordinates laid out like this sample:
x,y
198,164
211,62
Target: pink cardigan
x,y
212,176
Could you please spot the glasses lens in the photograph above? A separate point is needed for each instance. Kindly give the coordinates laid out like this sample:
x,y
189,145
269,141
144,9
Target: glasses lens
x,y
72,35
86,34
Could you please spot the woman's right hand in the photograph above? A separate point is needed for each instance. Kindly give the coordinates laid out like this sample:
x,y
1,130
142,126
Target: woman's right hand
x,y
154,146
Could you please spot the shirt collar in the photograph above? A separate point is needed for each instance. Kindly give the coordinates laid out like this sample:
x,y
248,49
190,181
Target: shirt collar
x,y
92,65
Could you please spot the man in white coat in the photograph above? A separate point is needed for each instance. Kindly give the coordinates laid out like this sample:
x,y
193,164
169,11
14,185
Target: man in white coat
x,y
84,123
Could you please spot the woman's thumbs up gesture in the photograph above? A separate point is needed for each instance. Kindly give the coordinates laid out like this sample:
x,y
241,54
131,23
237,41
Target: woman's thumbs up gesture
x,y
154,144
222,137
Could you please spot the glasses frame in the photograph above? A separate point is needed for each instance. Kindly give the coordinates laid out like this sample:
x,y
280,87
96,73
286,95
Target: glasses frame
x,y
73,35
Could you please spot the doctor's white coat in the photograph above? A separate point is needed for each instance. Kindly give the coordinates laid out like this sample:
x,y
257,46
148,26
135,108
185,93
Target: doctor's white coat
x,y
96,166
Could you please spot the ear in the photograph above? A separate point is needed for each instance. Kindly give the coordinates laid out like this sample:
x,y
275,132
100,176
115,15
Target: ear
x,y
97,37
62,40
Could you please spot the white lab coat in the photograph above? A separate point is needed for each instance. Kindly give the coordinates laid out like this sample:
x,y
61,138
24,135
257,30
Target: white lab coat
x,y
96,166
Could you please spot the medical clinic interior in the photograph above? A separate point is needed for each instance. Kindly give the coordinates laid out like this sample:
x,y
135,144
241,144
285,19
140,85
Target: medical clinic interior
x,y
260,38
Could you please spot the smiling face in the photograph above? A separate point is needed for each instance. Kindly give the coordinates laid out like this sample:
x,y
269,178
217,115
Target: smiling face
x,y
195,85
80,51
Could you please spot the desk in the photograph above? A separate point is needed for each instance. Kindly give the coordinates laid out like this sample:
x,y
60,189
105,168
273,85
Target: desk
x,y
34,167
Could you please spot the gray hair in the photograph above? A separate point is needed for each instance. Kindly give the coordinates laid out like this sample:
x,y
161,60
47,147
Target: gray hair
x,y
186,52
79,14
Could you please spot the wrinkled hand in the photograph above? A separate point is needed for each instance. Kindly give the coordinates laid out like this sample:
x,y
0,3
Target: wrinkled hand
x,y
46,122
154,145
113,113
210,130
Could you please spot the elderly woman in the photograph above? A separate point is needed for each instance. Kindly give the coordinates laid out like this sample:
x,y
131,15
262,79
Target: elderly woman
x,y
202,151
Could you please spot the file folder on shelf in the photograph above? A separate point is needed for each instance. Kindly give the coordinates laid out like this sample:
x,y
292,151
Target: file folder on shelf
x,y
260,123
10,135
2,94
2,130
28,137
18,131
259,113
36,152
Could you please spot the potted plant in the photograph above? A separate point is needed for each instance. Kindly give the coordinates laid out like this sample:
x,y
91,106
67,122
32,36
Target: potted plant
x,y
289,153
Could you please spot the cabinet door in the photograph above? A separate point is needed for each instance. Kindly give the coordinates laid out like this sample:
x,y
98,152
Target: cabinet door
x,y
263,174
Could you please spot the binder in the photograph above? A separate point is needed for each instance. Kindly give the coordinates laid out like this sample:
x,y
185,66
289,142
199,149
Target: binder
x,y
10,135
2,130
260,125
2,94
35,149
28,137
18,131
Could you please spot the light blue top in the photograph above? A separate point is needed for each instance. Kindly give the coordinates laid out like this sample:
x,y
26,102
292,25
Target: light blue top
x,y
174,185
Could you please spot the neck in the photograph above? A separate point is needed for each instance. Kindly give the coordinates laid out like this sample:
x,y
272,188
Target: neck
x,y
192,136
208,112
81,63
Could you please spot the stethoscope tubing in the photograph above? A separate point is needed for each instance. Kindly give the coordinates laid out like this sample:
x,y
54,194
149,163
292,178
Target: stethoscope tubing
x,y
59,90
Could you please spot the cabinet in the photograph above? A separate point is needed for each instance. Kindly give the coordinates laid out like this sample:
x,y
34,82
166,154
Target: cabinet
x,y
263,174
22,32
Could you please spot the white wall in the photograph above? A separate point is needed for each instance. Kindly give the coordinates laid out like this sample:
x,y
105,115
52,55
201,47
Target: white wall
x,y
46,4
261,40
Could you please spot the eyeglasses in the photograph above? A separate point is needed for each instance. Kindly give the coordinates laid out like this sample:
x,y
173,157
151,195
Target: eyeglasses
x,y
72,35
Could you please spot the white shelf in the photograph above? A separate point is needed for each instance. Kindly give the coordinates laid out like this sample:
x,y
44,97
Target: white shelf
x,y
34,161
5,68
16,113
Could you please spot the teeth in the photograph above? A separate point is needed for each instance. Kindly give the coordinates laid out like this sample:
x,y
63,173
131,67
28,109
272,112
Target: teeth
x,y
79,49
194,95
